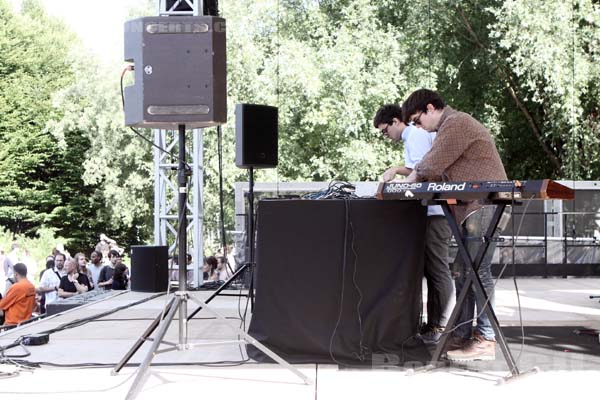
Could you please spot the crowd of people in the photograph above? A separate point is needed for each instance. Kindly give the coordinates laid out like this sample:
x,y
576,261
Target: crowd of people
x,y
218,267
64,276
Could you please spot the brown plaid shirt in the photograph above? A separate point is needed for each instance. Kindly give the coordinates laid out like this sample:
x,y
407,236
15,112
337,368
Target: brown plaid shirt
x,y
463,150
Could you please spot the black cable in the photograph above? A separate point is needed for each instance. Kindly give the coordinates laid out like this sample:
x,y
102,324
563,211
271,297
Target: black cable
x,y
277,87
26,352
360,355
429,39
480,312
520,320
221,201
221,208
339,318
335,190
242,316
362,348
81,321
38,364
514,248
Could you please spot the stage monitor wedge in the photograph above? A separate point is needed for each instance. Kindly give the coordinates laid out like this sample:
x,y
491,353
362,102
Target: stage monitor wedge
x,y
256,134
179,70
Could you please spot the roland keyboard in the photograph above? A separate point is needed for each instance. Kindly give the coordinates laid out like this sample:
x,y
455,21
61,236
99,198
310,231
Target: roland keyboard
x,y
544,189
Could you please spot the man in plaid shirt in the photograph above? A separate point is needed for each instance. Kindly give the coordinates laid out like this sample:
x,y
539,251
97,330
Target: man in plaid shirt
x,y
463,150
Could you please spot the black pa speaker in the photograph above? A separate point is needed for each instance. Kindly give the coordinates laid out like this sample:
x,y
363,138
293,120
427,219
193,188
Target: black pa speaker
x,y
180,72
149,268
255,136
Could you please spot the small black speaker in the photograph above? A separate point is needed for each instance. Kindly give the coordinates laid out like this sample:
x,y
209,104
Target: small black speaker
x,y
256,133
149,268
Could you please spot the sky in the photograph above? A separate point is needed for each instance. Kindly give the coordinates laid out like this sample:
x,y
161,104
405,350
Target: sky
x,y
99,24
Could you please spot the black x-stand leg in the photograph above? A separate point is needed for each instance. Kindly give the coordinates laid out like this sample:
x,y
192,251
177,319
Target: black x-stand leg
x,y
473,279
225,285
247,266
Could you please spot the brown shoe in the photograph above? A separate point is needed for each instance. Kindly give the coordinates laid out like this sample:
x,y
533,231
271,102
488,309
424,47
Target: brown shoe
x,y
455,342
477,349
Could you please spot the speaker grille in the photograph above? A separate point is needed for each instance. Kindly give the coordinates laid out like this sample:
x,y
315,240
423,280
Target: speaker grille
x,y
180,72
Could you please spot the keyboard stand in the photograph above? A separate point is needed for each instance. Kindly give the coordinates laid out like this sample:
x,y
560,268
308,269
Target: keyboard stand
x,y
480,293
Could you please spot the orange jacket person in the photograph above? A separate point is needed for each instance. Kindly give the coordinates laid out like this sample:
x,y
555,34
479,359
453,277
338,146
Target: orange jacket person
x,y
19,302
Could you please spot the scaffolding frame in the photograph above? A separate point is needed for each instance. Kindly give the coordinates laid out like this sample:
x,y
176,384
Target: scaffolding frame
x,y
165,176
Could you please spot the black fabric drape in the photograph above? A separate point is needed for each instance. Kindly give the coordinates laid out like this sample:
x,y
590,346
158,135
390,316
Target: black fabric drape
x,y
301,278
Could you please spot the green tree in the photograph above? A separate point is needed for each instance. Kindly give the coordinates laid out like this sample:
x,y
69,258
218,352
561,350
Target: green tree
x,y
34,64
61,165
115,169
328,72
527,69
552,51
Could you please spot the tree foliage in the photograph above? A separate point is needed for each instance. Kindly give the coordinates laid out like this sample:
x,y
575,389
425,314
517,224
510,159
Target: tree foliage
x,y
34,63
552,50
116,167
62,162
528,70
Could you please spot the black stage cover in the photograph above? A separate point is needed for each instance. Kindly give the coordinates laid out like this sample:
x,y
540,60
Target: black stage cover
x,y
318,301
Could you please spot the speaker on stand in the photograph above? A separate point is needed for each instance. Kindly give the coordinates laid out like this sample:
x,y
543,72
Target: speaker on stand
x,y
256,145
180,82
256,142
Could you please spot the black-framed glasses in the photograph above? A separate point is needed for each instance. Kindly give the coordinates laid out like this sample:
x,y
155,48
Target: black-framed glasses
x,y
384,131
417,120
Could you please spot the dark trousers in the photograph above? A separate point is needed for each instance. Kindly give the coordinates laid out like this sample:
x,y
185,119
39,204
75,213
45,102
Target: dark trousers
x,y
437,271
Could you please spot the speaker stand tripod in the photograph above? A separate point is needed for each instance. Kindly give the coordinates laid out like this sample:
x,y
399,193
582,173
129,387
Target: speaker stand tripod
x,y
179,304
246,266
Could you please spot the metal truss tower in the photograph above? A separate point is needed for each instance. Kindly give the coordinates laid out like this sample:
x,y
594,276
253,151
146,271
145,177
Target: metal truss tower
x,y
165,173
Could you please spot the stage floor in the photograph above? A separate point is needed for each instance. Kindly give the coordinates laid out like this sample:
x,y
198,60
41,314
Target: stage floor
x,y
552,309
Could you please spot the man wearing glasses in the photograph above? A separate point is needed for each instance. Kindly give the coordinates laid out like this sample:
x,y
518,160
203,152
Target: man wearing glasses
x,y
463,150
417,143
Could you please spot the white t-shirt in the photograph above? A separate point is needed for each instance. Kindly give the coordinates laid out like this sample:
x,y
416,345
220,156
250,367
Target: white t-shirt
x,y
417,142
51,279
95,271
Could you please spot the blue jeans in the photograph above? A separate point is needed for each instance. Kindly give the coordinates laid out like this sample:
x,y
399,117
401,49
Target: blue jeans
x,y
474,228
